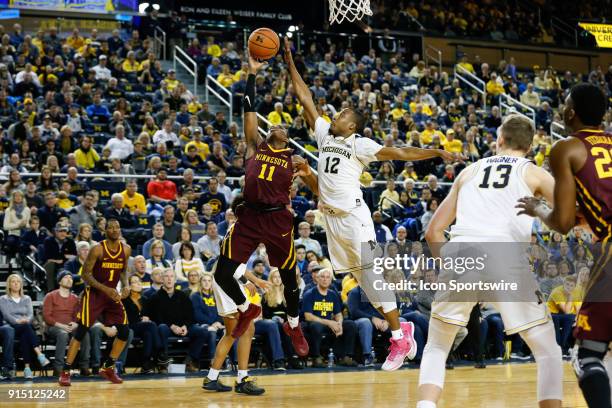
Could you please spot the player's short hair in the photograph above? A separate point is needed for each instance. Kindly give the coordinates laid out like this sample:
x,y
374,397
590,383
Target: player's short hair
x,y
517,131
589,103
359,120
111,220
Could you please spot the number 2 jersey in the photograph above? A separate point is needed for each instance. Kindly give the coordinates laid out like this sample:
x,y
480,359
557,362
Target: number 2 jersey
x,y
107,270
594,181
341,162
268,176
486,202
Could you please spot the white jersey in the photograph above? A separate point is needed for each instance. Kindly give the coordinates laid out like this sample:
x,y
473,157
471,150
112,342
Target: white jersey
x,y
487,199
341,162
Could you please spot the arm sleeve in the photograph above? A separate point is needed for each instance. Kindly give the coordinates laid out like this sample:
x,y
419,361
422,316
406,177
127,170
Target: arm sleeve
x,y
321,130
29,309
366,150
249,94
6,313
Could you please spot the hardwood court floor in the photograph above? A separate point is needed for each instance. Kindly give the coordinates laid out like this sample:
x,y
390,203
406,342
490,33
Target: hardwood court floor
x,y
497,386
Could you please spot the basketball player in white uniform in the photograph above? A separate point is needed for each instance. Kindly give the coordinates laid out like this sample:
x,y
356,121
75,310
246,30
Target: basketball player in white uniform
x,y
482,203
343,156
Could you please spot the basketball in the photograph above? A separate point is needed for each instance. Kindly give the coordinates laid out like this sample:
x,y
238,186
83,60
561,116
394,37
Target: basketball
x,y
263,44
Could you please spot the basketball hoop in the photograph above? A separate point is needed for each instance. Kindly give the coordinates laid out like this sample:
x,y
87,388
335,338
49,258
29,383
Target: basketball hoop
x,y
349,10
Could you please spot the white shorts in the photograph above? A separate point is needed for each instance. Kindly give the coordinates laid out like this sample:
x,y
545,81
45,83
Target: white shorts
x,y
517,316
225,305
345,235
348,241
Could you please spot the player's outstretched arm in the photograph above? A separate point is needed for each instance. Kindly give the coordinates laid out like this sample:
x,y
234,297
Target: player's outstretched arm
x,y
301,89
87,275
445,214
562,217
253,138
413,154
302,169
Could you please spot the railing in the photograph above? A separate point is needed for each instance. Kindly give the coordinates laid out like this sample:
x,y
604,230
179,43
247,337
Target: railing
x,y
509,104
159,42
209,88
561,26
463,75
554,126
293,142
435,55
108,176
32,281
179,56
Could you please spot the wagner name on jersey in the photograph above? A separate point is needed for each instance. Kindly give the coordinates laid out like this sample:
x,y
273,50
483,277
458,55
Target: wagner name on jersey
x,y
487,198
341,162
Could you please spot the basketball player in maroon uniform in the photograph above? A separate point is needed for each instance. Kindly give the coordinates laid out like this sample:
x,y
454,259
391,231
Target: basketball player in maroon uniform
x,y
263,217
104,267
582,167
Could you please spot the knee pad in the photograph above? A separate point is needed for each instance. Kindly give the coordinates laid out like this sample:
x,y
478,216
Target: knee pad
x,y
588,361
80,332
123,332
439,341
542,342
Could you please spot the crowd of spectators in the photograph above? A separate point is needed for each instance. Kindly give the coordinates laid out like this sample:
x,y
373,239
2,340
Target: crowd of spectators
x,y
91,104
518,21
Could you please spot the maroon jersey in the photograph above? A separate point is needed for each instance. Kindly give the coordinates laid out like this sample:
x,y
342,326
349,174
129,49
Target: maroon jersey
x,y
108,270
594,181
268,177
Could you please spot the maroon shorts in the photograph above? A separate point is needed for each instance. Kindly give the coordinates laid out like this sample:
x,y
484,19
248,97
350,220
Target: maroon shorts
x,y
594,322
96,305
273,229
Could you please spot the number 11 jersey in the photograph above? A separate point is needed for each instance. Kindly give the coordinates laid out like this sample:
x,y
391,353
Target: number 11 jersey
x,y
486,202
268,176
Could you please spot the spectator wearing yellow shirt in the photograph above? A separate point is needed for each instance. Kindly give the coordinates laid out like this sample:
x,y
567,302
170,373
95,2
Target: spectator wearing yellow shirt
x,y
130,64
212,48
541,155
202,148
388,193
348,283
171,81
463,63
397,112
563,303
428,133
133,200
451,144
86,156
278,117
244,69
225,77
75,41
494,87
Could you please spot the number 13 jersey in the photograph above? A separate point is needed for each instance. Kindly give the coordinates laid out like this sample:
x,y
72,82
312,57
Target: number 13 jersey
x,y
341,162
486,202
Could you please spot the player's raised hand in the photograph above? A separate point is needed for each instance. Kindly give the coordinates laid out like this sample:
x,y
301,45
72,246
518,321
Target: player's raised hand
x,y
287,51
448,156
263,284
528,205
255,65
300,166
250,287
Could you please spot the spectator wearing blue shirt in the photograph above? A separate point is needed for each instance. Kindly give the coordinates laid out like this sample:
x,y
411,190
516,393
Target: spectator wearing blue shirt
x,y
322,308
214,69
97,109
299,203
367,319
158,234
205,312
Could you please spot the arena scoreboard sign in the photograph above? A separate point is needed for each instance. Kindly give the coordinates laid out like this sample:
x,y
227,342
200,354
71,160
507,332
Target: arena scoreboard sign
x,y
601,32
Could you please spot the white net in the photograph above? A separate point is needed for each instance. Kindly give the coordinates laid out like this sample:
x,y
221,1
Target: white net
x,y
349,10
